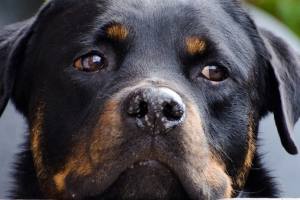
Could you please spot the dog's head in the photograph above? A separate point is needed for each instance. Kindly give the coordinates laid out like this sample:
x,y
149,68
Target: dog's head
x,y
140,98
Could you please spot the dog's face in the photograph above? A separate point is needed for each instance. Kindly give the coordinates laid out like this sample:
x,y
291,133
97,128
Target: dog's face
x,y
147,99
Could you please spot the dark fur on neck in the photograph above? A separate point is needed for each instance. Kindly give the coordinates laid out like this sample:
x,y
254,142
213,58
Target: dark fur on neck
x,y
260,184
25,180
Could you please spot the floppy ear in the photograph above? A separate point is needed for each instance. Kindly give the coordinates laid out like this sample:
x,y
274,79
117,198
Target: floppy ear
x,y
12,43
284,87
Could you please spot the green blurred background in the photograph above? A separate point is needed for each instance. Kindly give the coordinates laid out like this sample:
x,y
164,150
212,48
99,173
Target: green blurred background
x,y
287,11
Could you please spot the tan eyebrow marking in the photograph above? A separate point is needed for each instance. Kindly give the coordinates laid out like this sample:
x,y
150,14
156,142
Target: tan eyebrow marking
x,y
195,45
117,32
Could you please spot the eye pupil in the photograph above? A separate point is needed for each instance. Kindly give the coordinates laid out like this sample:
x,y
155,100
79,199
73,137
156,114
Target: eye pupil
x,y
89,63
214,73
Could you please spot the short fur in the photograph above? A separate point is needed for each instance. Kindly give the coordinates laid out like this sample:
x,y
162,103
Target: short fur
x,y
81,144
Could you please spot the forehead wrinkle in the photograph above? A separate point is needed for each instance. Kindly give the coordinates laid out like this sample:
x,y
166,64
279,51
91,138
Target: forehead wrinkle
x,y
141,9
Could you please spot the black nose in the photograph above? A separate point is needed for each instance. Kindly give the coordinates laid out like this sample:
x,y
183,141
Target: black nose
x,y
157,110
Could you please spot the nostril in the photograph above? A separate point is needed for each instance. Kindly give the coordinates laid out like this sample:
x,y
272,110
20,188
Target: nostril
x,y
138,110
173,111
143,109
155,110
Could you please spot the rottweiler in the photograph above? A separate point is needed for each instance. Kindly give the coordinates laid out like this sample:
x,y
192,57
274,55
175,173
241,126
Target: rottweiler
x,y
146,99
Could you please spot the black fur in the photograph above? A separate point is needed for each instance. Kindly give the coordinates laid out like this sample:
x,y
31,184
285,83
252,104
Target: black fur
x,y
36,72
260,183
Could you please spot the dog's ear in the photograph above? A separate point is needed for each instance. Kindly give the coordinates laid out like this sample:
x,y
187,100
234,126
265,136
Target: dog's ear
x,y
13,43
283,85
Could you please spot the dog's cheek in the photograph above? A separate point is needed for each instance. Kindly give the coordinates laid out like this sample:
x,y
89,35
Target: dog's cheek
x,y
218,180
211,173
36,131
43,172
79,173
240,178
107,134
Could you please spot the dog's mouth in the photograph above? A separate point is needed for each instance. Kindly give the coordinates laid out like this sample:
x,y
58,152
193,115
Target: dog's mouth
x,y
149,179
151,169
127,162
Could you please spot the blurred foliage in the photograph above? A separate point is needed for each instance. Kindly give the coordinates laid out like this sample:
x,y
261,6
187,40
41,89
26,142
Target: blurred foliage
x,y
287,11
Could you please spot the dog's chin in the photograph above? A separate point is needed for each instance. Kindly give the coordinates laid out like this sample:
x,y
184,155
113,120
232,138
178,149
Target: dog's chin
x,y
146,180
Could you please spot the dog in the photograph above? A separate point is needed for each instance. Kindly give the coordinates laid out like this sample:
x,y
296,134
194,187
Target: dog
x,y
141,99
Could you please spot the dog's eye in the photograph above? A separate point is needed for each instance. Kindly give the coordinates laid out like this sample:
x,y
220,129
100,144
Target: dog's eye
x,y
91,62
214,73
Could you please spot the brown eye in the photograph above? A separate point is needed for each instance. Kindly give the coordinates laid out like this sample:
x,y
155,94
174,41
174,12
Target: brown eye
x,y
90,63
214,73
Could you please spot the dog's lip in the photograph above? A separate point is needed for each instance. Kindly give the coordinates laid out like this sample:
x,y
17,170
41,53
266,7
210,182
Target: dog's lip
x,y
151,165
107,174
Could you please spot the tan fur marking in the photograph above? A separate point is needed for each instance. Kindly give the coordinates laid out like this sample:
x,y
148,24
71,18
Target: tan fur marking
x,y
195,45
107,134
217,178
59,180
117,32
214,174
251,147
36,132
79,163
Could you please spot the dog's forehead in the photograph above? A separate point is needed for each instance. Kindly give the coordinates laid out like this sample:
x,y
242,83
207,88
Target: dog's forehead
x,y
160,27
188,16
172,10
171,20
